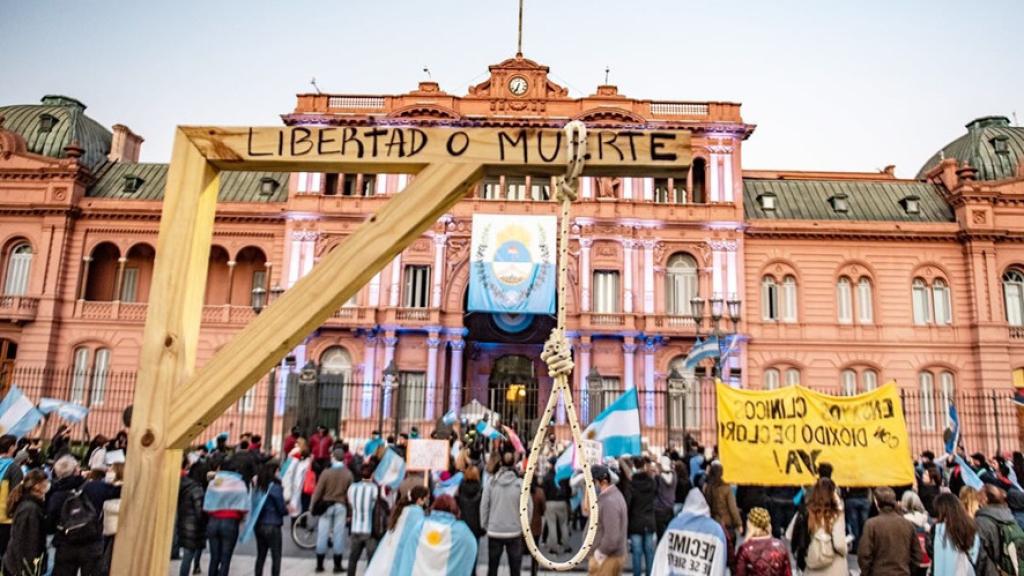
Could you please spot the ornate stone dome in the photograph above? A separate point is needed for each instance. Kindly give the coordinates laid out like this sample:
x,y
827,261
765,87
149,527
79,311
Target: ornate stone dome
x,y
991,145
49,127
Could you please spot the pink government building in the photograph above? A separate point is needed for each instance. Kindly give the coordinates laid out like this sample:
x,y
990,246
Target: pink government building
x,y
841,281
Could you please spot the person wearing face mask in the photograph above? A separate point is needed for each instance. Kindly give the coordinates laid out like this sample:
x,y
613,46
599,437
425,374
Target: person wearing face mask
x,y
27,550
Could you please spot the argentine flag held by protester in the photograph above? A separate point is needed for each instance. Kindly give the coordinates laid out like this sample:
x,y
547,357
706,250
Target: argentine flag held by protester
x,y
485,429
952,434
68,411
439,546
701,350
450,417
449,486
390,471
18,415
969,476
617,428
227,491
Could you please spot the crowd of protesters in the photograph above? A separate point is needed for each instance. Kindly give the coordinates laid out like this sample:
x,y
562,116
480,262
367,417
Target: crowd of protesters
x,y
61,509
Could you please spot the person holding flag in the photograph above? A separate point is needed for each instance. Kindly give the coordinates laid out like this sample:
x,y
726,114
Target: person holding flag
x,y
617,428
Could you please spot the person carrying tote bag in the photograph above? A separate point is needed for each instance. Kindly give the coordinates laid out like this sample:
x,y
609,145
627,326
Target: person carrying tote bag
x,y
826,529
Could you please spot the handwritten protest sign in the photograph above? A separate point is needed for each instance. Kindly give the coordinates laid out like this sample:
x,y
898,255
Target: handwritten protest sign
x,y
593,451
427,455
778,437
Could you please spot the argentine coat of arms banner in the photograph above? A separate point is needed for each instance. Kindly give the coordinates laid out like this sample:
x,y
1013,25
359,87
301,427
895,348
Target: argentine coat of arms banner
x,y
512,264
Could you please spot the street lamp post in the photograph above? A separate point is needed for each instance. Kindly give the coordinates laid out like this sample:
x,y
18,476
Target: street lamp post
x,y
390,376
676,388
595,390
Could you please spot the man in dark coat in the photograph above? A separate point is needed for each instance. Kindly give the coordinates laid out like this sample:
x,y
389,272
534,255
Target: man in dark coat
x,y
81,553
989,520
642,525
889,545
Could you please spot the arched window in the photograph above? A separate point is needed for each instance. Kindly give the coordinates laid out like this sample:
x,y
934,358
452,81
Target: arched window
x,y
922,302
100,370
19,265
697,175
848,382
927,383
336,361
771,379
769,299
869,380
865,309
943,307
844,300
680,284
80,375
947,386
1013,294
792,377
789,299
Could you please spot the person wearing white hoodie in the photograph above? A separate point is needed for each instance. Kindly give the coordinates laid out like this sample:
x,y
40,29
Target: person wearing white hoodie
x,y
693,543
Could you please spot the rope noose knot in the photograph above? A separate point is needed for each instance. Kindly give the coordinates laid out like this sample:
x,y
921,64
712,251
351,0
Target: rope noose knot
x,y
557,354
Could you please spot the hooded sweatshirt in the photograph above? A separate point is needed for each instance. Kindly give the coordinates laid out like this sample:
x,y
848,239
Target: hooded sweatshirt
x,y
988,520
693,544
499,510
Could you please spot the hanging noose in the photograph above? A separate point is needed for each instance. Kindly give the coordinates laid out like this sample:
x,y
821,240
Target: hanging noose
x,y
558,357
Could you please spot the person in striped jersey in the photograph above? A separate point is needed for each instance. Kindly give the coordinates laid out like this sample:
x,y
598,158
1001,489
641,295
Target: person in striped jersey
x,y
362,497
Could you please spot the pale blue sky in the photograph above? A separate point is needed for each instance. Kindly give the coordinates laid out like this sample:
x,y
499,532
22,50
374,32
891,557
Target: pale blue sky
x,y
851,85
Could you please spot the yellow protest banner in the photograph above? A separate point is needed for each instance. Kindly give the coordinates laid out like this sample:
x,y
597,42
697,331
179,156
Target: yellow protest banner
x,y
778,437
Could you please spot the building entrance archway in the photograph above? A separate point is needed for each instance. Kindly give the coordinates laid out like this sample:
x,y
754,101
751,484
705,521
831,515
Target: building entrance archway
x,y
512,390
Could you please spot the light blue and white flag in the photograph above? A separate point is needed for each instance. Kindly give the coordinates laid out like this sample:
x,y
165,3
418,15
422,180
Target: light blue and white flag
x,y
702,349
450,417
227,491
385,561
952,435
390,470
485,429
512,265
68,411
969,476
371,447
449,486
18,415
617,428
440,545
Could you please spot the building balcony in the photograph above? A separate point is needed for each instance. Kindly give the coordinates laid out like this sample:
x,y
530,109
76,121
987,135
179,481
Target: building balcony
x,y
669,325
602,322
412,317
1017,333
18,308
135,312
352,317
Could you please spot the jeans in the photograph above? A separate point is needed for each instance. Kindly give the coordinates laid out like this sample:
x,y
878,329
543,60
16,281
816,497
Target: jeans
x,y
268,539
359,543
70,558
556,517
188,556
331,524
642,544
495,547
857,510
222,534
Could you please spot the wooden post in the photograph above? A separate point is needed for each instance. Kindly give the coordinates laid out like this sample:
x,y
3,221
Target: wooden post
x,y
168,357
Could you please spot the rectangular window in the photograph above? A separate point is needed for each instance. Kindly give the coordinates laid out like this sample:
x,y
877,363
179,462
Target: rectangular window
x,y
865,310
369,185
412,395
1014,297
540,188
331,184
19,264
100,369
417,286
922,304
79,376
682,288
789,299
348,184
844,302
662,194
926,380
943,310
129,285
769,300
606,292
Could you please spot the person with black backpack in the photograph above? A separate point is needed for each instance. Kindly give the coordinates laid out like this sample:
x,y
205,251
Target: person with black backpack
x,y
1002,540
74,521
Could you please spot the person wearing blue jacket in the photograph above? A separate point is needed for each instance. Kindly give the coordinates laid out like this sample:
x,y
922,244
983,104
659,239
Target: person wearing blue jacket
x,y
271,518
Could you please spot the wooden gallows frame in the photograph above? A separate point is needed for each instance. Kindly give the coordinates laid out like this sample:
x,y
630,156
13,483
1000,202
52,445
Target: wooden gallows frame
x,y
174,402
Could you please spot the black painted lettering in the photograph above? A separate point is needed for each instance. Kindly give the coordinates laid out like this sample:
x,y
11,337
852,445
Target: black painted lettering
x,y
375,133
520,140
417,141
301,135
397,139
457,143
280,143
658,144
632,143
322,141
349,135
601,144
253,152
540,146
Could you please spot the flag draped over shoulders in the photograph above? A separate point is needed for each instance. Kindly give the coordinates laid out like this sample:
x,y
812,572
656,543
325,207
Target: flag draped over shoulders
x,y
385,559
227,491
440,545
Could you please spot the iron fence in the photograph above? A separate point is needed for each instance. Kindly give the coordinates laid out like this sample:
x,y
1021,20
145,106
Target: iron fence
x,y
990,421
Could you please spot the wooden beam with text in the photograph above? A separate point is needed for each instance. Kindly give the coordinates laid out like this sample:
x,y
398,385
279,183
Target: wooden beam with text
x,y
172,406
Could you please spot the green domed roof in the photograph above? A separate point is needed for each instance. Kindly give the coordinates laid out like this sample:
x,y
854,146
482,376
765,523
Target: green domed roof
x,y
991,145
52,125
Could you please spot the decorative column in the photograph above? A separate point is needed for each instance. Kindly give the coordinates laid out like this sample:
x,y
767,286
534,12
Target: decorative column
x,y
727,174
231,279
295,259
390,341
433,341
118,284
584,400
713,173
585,244
649,275
309,239
648,184
86,260
369,374
455,374
627,280
628,354
650,345
396,275
587,187
440,242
